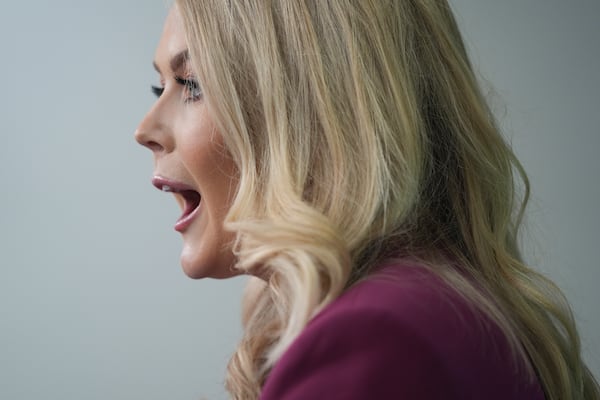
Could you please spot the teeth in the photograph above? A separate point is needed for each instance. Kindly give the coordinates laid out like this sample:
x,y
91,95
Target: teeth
x,y
167,188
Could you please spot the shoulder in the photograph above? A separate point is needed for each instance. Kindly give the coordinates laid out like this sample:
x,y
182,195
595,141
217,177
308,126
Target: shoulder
x,y
402,333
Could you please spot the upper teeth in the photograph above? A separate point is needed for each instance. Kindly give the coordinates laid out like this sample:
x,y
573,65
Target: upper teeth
x,y
167,188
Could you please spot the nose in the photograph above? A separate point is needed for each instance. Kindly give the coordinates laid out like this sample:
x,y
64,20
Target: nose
x,y
153,132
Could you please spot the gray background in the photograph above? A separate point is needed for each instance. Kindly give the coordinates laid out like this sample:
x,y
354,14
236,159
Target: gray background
x,y
93,304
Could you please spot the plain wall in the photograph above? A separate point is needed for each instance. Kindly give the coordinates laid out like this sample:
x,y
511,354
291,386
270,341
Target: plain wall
x,y
93,302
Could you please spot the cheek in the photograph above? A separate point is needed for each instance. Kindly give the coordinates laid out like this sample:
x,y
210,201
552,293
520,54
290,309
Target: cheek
x,y
210,166
201,144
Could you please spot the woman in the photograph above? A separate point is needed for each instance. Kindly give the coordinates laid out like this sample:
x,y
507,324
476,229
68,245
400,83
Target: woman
x,y
342,154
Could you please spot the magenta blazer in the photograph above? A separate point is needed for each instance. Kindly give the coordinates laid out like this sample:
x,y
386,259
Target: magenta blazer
x,y
400,334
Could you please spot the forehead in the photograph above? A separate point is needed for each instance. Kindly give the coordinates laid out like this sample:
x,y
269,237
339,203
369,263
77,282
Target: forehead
x,y
172,40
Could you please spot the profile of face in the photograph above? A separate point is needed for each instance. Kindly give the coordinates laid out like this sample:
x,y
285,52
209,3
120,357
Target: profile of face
x,y
190,158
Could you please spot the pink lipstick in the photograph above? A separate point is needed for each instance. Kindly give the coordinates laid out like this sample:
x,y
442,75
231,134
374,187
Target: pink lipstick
x,y
190,196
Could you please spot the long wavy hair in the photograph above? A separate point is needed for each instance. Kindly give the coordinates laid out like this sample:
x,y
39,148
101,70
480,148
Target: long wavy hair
x,y
360,133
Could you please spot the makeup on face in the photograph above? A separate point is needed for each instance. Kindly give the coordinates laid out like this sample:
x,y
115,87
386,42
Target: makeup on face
x,y
190,158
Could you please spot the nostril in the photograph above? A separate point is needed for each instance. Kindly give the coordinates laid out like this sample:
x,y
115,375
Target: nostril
x,y
154,146
154,135
146,140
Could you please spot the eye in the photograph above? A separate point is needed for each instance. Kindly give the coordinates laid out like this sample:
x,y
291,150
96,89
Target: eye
x,y
192,87
158,91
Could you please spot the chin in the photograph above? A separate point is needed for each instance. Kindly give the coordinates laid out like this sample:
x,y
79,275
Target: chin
x,y
197,267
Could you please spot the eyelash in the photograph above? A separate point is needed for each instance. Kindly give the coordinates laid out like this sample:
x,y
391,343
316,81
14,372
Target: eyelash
x,y
158,91
191,86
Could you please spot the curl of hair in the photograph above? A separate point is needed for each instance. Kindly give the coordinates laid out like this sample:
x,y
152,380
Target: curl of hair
x,y
360,133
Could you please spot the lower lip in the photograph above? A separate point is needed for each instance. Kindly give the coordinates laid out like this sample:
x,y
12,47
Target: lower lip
x,y
186,220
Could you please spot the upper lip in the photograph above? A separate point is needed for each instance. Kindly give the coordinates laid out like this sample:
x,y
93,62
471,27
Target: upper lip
x,y
170,185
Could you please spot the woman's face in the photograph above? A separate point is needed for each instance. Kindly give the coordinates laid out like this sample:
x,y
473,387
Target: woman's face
x,y
190,158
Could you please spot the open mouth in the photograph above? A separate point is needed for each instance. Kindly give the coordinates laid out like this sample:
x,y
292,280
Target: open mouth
x,y
189,197
191,201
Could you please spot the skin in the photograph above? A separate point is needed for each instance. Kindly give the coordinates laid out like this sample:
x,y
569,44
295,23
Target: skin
x,y
188,148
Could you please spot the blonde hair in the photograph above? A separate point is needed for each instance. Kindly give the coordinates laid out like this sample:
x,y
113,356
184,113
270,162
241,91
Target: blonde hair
x,y
360,133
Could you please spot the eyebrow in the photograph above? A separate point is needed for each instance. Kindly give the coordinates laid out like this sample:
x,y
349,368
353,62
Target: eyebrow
x,y
176,62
